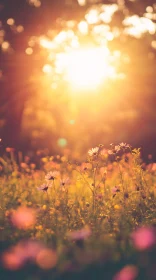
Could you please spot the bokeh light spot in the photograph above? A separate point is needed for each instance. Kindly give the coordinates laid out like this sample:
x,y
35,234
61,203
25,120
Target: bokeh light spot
x,y
5,46
29,51
47,69
46,259
62,142
10,21
72,122
82,2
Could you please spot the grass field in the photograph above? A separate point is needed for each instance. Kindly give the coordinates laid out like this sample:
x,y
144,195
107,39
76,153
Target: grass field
x,y
66,219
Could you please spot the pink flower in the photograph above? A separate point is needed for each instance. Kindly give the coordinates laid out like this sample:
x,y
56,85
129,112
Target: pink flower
x,y
115,189
81,234
52,175
46,258
23,218
143,238
43,187
129,272
99,196
64,182
29,250
11,260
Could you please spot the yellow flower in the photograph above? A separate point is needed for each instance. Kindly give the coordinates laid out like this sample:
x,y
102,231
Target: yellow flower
x,y
40,227
63,159
29,203
117,207
44,159
44,207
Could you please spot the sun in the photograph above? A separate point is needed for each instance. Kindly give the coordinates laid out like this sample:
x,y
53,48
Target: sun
x,y
87,68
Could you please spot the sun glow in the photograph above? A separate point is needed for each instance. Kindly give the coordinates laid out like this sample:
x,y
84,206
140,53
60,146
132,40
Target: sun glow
x,y
80,52
88,68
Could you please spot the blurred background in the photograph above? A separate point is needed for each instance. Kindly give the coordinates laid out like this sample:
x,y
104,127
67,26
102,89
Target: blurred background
x,y
77,73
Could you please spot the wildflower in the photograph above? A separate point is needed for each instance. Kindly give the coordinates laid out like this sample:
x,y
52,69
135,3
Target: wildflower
x,y
103,152
124,145
43,187
46,258
126,195
111,152
115,189
23,165
44,207
117,148
112,144
81,234
99,196
63,159
44,159
9,150
18,255
52,175
23,218
32,165
40,227
129,272
11,260
93,151
64,182
117,207
143,238
85,166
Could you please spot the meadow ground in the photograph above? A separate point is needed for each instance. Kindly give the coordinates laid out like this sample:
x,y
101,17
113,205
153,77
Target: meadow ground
x,y
66,219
